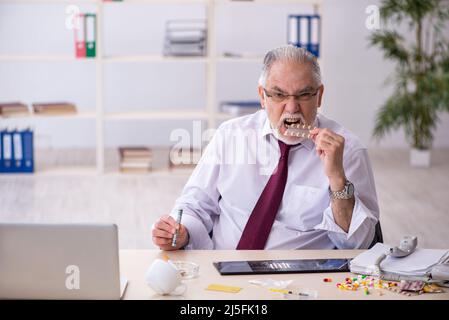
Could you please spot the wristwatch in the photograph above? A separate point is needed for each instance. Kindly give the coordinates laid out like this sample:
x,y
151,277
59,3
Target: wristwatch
x,y
346,193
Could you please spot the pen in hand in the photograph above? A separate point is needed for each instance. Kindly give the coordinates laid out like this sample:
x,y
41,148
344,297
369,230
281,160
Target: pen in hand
x,y
175,236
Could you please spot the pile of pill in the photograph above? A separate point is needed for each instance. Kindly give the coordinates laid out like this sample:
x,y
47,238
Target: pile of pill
x,y
365,283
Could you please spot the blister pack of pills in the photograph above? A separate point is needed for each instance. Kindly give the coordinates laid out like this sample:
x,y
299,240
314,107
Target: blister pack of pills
x,y
299,130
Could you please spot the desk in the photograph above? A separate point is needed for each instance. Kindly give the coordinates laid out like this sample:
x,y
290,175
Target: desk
x,y
134,263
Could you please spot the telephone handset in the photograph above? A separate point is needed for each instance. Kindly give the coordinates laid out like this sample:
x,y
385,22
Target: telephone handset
x,y
406,247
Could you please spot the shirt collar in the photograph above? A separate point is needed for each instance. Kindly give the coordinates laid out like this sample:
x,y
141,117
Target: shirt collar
x,y
308,143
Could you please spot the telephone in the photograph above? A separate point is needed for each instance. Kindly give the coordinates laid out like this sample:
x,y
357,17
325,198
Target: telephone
x,y
408,244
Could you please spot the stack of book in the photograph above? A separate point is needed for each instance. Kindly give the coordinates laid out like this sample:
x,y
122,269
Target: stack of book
x,y
185,38
12,109
135,159
54,108
240,108
184,157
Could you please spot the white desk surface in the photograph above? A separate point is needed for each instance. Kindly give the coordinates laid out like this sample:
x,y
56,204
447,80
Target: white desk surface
x,y
134,263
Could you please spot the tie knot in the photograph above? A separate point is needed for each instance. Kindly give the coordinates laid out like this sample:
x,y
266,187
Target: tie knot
x,y
285,148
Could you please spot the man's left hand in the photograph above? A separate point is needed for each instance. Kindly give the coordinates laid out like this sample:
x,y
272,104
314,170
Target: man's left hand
x,y
329,147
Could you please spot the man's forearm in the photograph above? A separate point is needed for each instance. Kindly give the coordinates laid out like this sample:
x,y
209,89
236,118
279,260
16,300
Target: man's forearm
x,y
341,208
342,211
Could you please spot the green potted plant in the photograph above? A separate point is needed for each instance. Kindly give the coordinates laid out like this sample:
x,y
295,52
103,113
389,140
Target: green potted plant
x,y
421,77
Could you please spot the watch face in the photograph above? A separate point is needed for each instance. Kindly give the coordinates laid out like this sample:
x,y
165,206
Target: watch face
x,y
350,189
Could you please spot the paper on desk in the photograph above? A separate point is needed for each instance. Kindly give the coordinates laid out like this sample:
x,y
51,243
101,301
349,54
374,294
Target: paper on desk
x,y
416,264
278,284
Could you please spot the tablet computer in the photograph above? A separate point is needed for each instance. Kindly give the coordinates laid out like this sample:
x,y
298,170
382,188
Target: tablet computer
x,y
282,266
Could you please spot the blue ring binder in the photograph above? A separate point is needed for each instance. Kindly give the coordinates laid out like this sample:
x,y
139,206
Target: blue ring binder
x,y
16,151
312,34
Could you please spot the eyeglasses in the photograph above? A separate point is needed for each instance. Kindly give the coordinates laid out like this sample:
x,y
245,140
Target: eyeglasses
x,y
278,97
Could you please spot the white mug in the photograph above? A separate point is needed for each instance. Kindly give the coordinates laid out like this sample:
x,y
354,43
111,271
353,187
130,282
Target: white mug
x,y
163,277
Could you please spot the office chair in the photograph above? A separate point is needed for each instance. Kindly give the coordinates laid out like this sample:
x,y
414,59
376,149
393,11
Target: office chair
x,y
378,237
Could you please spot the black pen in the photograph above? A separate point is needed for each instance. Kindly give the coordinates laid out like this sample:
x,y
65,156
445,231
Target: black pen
x,y
175,236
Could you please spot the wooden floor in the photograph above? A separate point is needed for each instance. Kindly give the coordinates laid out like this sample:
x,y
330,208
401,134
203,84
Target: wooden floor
x,y
412,201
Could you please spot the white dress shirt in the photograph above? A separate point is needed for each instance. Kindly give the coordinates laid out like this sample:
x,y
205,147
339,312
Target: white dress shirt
x,y
226,184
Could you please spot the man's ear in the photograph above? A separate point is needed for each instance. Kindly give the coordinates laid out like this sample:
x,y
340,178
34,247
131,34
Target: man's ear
x,y
261,96
320,95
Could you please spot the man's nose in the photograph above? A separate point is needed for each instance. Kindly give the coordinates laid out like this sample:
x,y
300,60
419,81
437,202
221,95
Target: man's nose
x,y
291,105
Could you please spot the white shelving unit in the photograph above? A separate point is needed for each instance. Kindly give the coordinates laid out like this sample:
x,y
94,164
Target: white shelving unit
x,y
210,114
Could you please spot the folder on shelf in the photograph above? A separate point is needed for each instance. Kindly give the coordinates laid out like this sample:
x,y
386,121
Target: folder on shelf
x,y
90,26
27,150
1,150
6,151
315,36
305,31
80,40
17,151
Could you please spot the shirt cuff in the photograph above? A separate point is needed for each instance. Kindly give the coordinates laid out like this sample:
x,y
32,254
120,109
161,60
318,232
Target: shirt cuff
x,y
198,235
359,215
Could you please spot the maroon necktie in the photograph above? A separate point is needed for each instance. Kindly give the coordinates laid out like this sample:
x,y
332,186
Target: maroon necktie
x,y
259,224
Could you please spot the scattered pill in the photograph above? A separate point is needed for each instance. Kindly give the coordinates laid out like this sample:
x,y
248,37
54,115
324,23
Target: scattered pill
x,y
365,283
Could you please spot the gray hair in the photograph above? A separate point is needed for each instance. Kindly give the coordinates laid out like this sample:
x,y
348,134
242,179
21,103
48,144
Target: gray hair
x,y
289,53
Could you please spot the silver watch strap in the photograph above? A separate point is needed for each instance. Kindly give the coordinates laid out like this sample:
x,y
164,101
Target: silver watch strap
x,y
346,193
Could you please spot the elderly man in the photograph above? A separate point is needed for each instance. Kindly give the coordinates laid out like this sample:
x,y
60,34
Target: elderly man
x,y
296,189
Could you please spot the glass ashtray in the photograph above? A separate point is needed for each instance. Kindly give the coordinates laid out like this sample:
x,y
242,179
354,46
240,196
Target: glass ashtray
x,y
187,269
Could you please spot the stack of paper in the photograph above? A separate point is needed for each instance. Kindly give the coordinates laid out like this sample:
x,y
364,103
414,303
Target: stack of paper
x,y
417,264
185,38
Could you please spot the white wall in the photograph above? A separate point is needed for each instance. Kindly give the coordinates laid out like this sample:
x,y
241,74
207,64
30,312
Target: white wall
x,y
353,74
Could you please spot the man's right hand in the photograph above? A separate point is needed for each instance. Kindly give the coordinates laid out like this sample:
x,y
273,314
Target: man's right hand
x,y
164,230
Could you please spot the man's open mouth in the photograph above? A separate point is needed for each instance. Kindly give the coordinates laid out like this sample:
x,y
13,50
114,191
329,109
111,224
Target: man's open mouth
x,y
288,122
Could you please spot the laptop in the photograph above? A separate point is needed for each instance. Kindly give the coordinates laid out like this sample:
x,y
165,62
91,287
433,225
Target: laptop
x,y
59,261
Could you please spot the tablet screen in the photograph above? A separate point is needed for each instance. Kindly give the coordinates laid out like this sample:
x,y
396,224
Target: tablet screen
x,y
282,266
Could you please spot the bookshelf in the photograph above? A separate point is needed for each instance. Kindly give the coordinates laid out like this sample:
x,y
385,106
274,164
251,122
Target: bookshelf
x,y
209,113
